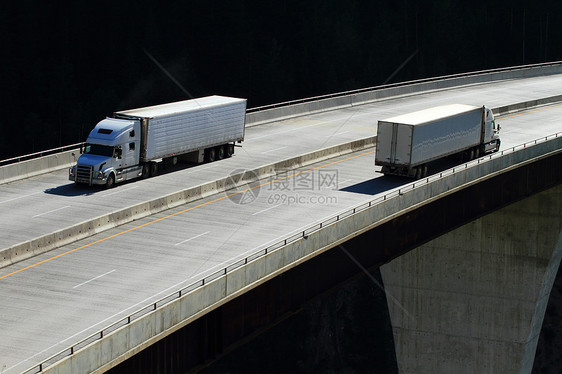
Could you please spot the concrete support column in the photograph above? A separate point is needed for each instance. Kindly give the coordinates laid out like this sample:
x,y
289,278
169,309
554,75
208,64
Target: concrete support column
x,y
473,300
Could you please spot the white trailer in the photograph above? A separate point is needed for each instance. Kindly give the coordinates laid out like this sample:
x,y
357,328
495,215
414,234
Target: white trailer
x,y
131,143
407,143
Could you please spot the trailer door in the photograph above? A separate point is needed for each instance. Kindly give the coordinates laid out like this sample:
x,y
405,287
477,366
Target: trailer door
x,y
402,140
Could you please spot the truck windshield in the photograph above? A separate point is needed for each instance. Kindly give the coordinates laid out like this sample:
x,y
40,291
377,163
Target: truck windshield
x,y
100,150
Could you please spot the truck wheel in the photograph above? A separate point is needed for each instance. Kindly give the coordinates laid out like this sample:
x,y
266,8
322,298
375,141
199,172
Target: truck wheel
x,y
471,155
220,152
497,145
418,172
229,150
210,154
424,171
153,169
110,181
145,171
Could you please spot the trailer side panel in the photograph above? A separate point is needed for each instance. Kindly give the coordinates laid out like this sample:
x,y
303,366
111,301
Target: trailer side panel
x,y
446,136
185,126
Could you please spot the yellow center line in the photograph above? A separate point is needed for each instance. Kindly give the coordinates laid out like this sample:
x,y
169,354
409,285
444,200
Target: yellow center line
x,y
180,212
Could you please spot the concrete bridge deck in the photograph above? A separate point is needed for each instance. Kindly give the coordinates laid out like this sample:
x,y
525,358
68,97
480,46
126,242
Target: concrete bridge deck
x,y
46,211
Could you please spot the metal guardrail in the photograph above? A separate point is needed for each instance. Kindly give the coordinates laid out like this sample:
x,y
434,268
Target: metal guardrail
x,y
311,99
273,247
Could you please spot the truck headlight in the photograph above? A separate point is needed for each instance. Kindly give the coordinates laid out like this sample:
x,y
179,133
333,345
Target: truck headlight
x,y
100,175
71,171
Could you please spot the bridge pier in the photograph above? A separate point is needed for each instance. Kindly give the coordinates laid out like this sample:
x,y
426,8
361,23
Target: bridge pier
x,y
473,300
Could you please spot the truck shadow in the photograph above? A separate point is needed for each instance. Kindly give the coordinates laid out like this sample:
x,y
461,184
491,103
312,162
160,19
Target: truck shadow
x,y
72,190
384,183
376,185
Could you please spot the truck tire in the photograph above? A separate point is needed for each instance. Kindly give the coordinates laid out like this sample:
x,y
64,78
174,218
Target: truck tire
x,y
210,154
229,150
220,152
497,145
110,183
145,171
153,169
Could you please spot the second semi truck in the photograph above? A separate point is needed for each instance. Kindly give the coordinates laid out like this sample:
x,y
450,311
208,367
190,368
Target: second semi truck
x,y
131,143
407,143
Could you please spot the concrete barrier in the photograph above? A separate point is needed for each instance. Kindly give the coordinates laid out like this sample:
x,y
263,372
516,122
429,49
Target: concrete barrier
x,y
382,93
96,225
37,166
144,330
526,105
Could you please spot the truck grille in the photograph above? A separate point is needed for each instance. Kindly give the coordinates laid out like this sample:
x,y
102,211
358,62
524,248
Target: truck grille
x,y
84,174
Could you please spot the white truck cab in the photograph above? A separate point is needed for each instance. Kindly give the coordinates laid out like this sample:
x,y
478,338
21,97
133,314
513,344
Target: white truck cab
x,y
111,153
491,132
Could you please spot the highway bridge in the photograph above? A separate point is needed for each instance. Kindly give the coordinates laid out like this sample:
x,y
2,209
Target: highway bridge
x,y
92,277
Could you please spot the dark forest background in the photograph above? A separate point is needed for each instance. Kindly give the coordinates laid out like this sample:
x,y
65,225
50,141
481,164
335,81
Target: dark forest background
x,y
66,65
